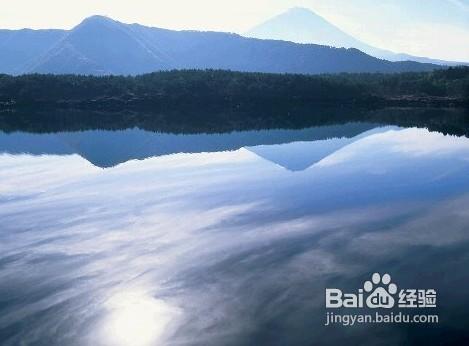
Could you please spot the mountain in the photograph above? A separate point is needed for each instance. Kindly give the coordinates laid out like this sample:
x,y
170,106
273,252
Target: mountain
x,y
20,48
302,25
300,155
110,148
100,45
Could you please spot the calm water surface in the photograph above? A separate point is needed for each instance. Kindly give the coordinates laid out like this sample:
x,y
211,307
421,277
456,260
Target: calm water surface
x,y
141,238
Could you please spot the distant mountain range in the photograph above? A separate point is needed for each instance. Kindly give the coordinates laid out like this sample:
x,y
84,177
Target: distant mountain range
x,y
100,45
105,149
302,25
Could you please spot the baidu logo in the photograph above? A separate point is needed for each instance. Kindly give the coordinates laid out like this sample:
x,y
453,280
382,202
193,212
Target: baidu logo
x,y
380,292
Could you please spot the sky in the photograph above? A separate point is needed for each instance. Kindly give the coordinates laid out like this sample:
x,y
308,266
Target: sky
x,y
432,28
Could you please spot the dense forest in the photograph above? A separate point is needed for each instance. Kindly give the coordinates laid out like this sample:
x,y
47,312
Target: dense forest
x,y
452,82
217,88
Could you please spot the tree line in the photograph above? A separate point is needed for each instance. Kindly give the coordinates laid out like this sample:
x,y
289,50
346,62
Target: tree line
x,y
219,87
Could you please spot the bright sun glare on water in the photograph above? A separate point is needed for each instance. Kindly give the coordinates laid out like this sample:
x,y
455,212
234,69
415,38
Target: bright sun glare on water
x,y
136,319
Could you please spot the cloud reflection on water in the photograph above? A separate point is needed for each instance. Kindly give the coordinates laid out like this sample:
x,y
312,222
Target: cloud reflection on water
x,y
220,248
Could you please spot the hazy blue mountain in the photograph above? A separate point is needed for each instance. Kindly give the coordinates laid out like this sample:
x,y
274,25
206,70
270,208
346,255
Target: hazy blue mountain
x,y
100,45
21,48
302,25
405,57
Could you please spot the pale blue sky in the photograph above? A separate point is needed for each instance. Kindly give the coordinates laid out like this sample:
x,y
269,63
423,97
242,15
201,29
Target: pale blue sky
x,y
435,28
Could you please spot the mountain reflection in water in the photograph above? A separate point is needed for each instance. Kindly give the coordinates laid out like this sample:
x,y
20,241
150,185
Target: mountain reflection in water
x,y
110,148
228,239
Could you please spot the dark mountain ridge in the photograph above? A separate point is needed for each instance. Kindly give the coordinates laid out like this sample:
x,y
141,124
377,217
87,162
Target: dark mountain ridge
x,y
102,46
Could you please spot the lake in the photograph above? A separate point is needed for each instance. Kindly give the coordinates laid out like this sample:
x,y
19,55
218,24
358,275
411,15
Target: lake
x,y
139,237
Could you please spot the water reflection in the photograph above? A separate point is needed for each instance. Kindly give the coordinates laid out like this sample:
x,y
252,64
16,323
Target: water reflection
x,y
110,148
135,318
229,247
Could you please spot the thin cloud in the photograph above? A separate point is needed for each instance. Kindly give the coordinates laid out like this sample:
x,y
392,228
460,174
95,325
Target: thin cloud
x,y
461,4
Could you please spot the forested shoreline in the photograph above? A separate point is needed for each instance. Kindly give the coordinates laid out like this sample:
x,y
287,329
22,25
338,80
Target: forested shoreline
x,y
227,89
